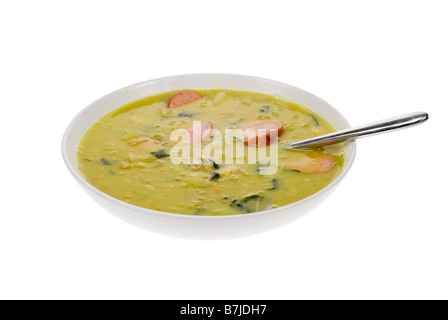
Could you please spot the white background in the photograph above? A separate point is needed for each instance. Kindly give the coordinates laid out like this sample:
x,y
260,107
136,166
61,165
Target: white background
x,y
383,234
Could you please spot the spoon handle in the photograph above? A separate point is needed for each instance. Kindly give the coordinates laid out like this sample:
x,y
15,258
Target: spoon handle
x,y
377,127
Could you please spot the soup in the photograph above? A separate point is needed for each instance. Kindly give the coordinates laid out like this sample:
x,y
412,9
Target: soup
x,y
138,153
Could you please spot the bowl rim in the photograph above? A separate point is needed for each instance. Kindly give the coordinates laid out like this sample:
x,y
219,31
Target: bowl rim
x,y
347,164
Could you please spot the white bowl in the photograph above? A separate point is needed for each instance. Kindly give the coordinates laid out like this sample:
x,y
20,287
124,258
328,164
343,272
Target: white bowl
x,y
200,227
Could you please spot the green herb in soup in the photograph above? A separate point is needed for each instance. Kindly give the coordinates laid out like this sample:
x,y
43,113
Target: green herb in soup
x,y
128,154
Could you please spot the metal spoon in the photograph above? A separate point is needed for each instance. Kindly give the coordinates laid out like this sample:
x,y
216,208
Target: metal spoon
x,y
390,124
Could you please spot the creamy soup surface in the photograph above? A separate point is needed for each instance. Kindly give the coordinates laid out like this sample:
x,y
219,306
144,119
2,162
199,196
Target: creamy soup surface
x,y
127,154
